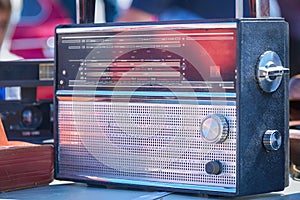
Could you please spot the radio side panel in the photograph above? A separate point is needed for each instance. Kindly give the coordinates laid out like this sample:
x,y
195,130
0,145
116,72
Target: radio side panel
x,y
261,170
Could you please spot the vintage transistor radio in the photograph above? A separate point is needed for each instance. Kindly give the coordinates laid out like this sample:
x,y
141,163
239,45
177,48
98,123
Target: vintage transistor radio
x,y
188,106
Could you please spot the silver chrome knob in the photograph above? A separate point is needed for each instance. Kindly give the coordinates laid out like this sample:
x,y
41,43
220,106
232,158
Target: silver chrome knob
x,y
272,140
214,128
269,71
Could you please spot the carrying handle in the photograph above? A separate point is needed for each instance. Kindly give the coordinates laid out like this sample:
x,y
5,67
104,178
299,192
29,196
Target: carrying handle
x,y
258,8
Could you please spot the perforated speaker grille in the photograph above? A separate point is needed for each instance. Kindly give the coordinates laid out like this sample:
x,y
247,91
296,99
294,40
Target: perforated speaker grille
x,y
160,143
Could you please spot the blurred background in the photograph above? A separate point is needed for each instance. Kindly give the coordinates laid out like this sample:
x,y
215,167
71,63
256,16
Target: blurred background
x,y
36,19
33,35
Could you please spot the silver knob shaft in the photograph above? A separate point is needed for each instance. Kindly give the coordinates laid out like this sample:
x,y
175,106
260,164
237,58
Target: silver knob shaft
x,y
272,140
214,128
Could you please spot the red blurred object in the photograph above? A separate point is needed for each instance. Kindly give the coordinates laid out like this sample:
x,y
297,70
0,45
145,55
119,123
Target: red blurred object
x,y
24,165
33,37
44,92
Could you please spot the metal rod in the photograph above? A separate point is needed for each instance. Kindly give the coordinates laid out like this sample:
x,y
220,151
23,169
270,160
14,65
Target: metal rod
x,y
239,9
260,8
85,11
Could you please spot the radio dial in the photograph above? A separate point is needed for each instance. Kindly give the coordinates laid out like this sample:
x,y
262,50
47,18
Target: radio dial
x,y
269,71
214,128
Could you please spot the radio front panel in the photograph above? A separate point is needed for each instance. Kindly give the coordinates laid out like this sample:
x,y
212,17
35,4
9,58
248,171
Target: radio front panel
x,y
131,102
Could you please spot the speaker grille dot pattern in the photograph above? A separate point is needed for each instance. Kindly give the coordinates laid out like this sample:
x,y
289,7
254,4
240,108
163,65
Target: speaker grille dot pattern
x,y
160,143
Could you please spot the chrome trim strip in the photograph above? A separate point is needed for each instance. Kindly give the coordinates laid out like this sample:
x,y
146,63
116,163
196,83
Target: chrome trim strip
x,y
151,93
146,27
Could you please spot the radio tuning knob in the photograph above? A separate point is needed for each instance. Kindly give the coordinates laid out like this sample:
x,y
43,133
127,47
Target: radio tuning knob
x,y
214,128
272,140
269,71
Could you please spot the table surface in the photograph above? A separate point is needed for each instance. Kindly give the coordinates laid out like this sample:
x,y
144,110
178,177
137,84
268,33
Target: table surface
x,y
62,190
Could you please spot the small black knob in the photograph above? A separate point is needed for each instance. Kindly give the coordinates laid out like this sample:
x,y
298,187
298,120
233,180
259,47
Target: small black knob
x,y
213,167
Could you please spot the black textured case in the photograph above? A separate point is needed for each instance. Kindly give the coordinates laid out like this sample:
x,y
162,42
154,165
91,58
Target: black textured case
x,y
258,170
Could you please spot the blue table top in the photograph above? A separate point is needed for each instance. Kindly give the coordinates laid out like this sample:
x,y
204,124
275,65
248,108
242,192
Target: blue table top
x,y
62,190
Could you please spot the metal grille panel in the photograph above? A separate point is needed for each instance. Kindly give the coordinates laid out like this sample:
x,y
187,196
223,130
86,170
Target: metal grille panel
x,y
143,142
